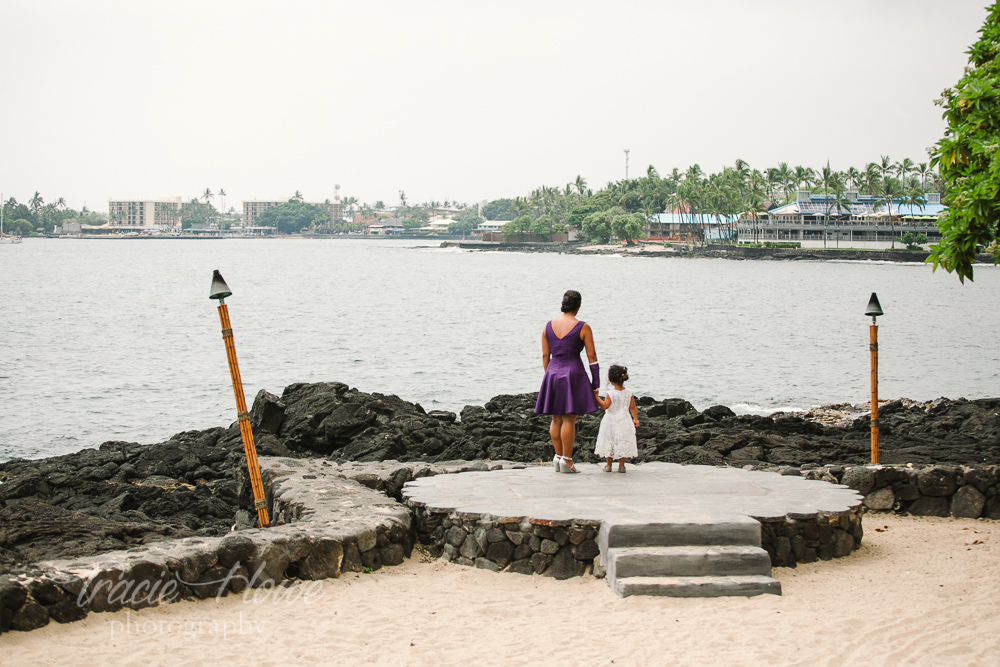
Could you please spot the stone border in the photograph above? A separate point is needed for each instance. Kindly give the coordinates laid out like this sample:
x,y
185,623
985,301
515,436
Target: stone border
x,y
969,492
564,549
560,549
324,524
327,518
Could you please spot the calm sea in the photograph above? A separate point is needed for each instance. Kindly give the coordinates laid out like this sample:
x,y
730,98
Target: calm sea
x,y
118,340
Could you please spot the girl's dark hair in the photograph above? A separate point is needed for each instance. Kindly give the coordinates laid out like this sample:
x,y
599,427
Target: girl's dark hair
x,y
618,374
571,301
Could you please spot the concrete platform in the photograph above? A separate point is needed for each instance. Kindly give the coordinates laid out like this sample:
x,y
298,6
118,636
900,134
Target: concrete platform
x,y
673,529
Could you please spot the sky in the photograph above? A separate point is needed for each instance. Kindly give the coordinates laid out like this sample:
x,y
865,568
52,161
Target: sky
x,y
462,101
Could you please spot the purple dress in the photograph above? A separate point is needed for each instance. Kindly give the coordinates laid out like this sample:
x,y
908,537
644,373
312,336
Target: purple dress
x,y
565,388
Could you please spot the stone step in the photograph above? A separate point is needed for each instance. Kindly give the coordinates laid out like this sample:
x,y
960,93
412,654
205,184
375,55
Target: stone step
x,y
697,587
729,532
687,561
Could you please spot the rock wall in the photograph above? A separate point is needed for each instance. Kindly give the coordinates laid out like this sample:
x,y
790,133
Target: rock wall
x,y
324,524
970,492
564,549
559,549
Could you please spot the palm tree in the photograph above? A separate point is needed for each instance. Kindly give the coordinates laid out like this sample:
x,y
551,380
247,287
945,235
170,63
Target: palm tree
x,y
581,185
804,175
885,166
206,195
297,196
903,167
841,202
61,203
922,170
871,177
222,195
785,175
888,190
853,176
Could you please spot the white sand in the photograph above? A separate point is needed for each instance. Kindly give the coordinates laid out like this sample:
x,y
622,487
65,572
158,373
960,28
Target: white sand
x,y
923,592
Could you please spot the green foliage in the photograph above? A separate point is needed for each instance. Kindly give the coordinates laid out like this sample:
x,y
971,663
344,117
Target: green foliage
x,y
499,209
628,227
542,225
462,227
196,212
517,226
913,241
968,158
19,227
666,244
416,217
584,208
464,222
18,212
293,216
597,226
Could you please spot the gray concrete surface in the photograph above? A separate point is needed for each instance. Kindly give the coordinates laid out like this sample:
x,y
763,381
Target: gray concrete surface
x,y
647,494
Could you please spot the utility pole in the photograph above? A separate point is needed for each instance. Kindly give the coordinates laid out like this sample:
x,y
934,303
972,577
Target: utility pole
x,y
626,164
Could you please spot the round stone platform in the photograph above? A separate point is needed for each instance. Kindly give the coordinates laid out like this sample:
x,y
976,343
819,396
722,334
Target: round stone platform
x,y
659,529
648,493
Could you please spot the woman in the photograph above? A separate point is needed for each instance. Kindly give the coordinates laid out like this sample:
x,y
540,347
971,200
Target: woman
x,y
566,391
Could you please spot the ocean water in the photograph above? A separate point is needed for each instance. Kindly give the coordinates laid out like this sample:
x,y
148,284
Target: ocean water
x,y
118,340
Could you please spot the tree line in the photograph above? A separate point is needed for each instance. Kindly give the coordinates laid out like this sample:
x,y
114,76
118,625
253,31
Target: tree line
x,y
622,209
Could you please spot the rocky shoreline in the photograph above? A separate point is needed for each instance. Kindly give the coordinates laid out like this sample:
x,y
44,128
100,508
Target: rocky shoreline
x,y
126,495
718,251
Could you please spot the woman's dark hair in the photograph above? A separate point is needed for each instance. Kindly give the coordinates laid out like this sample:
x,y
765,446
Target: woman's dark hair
x,y
571,301
618,374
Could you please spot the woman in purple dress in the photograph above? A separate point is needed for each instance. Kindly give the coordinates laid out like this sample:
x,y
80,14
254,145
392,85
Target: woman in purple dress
x,y
566,391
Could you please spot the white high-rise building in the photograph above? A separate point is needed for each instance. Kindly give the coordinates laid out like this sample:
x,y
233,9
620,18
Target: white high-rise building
x,y
137,214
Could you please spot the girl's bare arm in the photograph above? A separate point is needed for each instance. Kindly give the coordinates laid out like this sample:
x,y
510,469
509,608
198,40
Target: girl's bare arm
x,y
605,402
635,412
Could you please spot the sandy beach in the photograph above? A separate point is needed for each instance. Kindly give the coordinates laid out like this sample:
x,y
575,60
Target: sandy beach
x,y
920,591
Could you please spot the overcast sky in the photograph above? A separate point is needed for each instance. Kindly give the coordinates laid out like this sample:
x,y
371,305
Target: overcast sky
x,y
457,100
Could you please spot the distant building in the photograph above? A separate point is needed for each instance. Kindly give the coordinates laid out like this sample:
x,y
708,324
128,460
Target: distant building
x,y
680,226
253,209
144,214
813,218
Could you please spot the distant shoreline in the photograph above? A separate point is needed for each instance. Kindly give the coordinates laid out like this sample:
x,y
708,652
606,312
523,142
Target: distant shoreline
x,y
710,252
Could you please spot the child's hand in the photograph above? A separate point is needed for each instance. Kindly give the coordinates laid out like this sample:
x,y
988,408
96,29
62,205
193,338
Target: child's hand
x,y
635,421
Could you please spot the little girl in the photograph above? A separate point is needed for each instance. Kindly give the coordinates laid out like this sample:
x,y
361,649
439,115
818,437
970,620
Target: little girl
x,y
616,437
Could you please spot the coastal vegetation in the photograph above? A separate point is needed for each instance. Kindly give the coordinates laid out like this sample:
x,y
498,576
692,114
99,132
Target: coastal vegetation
x,y
622,209
967,157
293,216
36,216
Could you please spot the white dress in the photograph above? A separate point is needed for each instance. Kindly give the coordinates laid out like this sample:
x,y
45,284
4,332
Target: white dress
x,y
616,437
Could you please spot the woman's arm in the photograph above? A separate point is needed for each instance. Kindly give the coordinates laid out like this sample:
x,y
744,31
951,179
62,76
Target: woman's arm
x,y
588,341
634,411
546,354
595,370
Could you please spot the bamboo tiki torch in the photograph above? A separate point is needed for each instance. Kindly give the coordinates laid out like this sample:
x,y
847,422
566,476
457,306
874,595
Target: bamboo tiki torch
x,y
874,309
220,291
